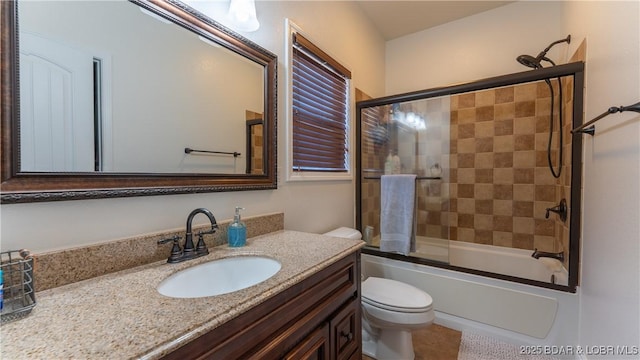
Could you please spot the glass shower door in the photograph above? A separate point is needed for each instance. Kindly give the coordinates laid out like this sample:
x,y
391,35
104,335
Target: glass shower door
x,y
409,138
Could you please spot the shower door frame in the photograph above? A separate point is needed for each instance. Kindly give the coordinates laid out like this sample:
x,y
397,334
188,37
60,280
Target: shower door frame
x,y
575,69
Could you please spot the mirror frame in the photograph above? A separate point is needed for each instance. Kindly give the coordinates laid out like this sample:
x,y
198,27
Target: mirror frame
x,y
24,187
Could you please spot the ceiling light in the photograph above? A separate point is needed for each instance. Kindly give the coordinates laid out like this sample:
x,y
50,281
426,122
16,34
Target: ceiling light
x,y
242,14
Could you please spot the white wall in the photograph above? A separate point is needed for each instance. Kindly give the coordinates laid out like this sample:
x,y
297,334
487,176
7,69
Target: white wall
x,y
486,45
309,206
610,271
473,48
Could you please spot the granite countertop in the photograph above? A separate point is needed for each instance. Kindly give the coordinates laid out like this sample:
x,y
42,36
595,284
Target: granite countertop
x,y
121,315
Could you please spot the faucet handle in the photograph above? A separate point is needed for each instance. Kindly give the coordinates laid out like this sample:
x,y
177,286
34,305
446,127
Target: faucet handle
x,y
176,251
201,247
560,209
174,238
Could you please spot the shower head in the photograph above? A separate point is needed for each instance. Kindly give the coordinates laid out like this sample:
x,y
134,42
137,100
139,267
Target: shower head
x,y
529,61
535,62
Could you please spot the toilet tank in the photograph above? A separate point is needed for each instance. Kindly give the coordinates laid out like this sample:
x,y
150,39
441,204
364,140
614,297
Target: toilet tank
x,y
345,232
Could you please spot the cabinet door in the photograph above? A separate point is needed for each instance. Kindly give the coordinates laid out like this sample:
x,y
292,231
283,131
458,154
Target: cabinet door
x,y
313,347
346,331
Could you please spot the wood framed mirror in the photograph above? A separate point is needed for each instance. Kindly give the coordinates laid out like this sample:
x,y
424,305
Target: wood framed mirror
x,y
173,100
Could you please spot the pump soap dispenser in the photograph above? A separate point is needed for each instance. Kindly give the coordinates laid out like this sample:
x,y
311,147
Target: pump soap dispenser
x,y
237,231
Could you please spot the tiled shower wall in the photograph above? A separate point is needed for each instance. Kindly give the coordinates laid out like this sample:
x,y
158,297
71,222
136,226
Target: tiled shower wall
x,y
374,149
501,185
422,152
563,189
496,184
256,156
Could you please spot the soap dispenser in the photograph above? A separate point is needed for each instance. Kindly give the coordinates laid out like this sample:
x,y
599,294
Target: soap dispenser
x,y
237,231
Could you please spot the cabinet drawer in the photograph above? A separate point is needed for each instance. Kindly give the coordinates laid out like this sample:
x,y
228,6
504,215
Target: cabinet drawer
x,y
313,347
346,330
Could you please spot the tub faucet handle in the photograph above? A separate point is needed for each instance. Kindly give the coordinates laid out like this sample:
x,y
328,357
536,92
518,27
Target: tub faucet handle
x,y
560,209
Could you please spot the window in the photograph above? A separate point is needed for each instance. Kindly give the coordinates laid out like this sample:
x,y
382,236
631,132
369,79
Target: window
x,y
319,111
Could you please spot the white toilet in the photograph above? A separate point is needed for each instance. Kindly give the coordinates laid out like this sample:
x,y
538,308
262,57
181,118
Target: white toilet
x,y
390,311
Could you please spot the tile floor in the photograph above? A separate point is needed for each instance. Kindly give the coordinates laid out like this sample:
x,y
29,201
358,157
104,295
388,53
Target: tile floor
x,y
435,343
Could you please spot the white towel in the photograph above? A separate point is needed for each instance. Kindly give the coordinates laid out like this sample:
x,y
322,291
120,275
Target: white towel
x,y
397,209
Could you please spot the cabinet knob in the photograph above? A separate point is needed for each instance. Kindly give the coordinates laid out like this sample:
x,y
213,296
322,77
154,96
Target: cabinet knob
x,y
349,336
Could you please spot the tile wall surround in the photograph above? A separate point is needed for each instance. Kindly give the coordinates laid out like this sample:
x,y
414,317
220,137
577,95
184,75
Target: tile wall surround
x,y
491,146
53,269
257,143
563,189
427,159
501,184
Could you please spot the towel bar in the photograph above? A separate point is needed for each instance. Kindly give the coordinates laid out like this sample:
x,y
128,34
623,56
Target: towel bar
x,y
190,150
417,178
586,129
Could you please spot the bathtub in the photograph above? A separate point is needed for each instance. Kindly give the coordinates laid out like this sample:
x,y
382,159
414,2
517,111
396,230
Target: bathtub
x,y
514,312
495,259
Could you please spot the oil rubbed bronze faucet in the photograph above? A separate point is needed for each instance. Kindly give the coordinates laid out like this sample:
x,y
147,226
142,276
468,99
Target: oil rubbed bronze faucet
x,y
189,251
560,209
538,254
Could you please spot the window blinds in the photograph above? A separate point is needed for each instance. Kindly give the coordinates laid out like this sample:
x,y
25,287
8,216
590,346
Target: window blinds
x,y
320,89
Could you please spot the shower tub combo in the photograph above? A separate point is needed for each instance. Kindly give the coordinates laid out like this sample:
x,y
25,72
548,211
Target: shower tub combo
x,y
494,259
481,258
486,200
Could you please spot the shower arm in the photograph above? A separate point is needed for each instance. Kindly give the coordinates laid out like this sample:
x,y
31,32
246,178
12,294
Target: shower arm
x,y
587,129
548,60
543,53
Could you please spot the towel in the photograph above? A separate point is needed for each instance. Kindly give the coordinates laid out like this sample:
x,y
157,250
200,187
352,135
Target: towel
x,y
397,209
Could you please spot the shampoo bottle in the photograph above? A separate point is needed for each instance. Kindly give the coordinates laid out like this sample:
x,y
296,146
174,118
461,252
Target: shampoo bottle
x,y
237,231
396,164
388,165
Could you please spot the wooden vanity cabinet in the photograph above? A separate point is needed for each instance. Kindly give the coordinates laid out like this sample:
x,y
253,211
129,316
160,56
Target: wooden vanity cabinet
x,y
317,318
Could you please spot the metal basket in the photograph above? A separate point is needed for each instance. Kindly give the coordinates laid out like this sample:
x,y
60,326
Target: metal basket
x,y
19,292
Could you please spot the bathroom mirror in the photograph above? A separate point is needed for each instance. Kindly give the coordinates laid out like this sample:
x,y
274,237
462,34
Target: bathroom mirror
x,y
487,200
130,98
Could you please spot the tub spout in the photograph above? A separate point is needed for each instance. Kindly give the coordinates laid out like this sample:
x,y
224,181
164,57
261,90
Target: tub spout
x,y
538,254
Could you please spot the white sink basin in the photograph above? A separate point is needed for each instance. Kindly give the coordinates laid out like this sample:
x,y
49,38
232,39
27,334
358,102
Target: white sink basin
x,y
219,277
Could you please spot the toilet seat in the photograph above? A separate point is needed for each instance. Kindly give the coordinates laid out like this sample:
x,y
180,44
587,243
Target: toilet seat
x,y
395,296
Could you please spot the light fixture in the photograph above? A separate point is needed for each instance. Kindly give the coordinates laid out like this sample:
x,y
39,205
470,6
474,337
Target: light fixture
x,y
242,14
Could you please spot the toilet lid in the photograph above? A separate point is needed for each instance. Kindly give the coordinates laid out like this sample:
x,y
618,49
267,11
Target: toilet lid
x,y
394,295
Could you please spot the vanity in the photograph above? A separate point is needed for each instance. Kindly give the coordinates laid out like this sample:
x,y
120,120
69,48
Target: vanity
x,y
309,309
